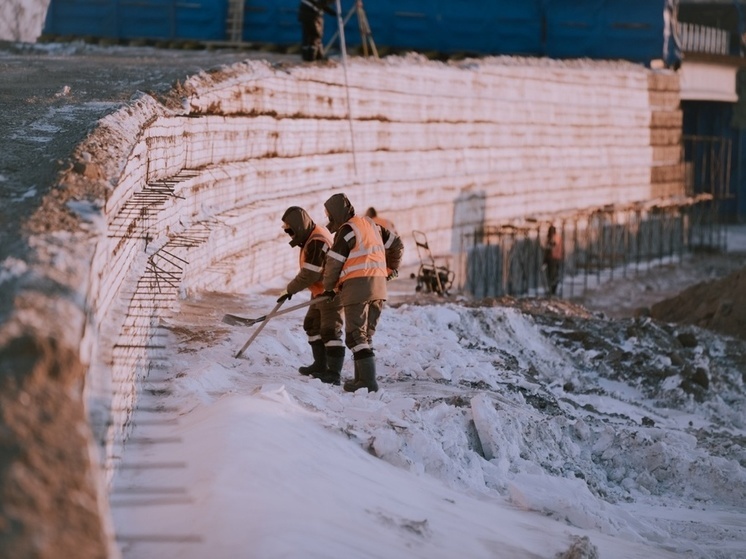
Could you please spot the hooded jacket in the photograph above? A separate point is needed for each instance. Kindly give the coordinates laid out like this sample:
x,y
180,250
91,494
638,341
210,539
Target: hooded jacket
x,y
358,267
314,242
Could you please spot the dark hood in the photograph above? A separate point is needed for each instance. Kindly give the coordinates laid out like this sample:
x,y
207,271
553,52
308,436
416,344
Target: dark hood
x,y
301,224
340,210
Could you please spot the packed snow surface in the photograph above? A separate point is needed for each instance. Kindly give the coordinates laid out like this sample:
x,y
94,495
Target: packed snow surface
x,y
529,428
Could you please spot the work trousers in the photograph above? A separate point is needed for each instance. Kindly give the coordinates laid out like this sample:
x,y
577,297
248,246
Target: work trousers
x,y
323,322
361,320
312,31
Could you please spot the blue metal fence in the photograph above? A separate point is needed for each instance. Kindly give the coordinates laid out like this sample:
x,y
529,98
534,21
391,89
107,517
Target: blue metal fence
x,y
200,20
273,22
495,27
626,29
607,29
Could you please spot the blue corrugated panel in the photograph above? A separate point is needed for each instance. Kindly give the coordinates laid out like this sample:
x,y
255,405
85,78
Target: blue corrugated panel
x,y
479,26
633,29
493,27
628,29
275,21
572,27
129,19
519,29
82,17
400,24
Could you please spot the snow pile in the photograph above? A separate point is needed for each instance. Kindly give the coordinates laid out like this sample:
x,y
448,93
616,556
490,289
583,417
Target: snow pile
x,y
525,429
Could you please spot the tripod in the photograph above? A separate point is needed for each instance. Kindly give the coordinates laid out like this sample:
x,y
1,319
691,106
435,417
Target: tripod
x,y
366,35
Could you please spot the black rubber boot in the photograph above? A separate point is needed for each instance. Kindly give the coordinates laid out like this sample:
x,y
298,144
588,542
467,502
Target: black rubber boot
x,y
349,385
319,360
335,359
365,376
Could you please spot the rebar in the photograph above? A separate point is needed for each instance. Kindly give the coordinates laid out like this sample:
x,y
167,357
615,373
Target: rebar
x,y
505,259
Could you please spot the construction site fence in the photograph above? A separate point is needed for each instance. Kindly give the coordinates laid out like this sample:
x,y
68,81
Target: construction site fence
x,y
507,260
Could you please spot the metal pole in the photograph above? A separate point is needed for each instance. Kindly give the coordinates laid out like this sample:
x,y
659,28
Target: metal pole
x,y
599,245
564,258
258,330
638,237
611,227
574,255
336,33
625,242
587,248
343,47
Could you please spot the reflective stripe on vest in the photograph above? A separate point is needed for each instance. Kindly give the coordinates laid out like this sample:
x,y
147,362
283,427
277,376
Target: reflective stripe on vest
x,y
368,257
318,234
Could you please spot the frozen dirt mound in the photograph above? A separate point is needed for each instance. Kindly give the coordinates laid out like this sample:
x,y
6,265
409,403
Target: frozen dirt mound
x,y
718,305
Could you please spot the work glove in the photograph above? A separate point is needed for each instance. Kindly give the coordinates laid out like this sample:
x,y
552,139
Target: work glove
x,y
392,274
284,296
330,295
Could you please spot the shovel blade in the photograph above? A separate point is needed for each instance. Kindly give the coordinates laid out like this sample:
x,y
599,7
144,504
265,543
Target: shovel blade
x,y
234,320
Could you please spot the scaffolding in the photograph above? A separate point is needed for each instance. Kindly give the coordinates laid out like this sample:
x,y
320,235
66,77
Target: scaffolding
x,y
368,45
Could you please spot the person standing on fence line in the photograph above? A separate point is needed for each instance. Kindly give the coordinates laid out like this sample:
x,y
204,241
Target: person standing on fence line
x,y
553,257
323,321
382,221
311,18
362,259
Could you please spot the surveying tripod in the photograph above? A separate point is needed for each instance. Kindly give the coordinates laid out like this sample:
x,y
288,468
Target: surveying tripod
x,y
366,36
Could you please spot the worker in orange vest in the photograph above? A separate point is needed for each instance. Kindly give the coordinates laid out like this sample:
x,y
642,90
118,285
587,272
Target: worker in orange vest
x,y
382,221
323,321
553,257
363,257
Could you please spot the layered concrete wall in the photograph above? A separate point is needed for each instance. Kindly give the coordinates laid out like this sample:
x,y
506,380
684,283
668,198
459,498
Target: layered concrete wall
x,y
439,148
195,188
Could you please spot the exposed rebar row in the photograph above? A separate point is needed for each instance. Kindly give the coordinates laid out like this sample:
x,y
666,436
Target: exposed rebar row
x,y
507,259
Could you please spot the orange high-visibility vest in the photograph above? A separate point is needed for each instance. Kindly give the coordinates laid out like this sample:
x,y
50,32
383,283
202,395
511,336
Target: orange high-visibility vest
x,y
385,223
368,257
318,234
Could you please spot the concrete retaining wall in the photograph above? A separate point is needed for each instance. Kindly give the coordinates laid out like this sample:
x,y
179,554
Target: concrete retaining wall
x,y
435,147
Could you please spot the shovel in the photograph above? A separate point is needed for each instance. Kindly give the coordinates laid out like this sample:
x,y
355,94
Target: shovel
x,y
261,327
238,320
235,320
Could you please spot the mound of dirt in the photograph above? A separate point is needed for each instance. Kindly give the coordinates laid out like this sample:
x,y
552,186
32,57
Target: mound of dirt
x,y
718,305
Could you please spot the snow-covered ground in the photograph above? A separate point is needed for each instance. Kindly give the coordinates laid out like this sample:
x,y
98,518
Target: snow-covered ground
x,y
520,429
